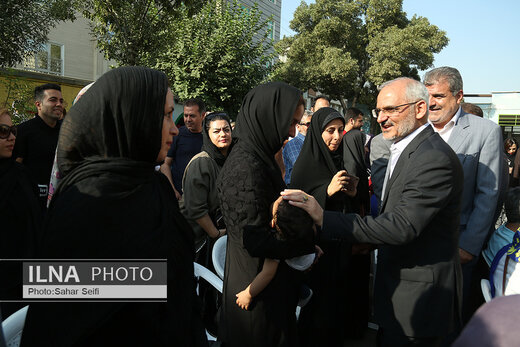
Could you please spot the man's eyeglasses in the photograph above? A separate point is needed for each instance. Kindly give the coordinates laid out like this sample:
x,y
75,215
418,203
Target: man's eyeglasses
x,y
306,124
5,130
391,111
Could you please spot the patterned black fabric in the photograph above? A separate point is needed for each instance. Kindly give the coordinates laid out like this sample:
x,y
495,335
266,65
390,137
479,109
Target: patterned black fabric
x,y
249,183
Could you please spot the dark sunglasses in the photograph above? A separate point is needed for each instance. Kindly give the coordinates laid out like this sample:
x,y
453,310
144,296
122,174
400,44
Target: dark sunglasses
x,y
5,130
306,124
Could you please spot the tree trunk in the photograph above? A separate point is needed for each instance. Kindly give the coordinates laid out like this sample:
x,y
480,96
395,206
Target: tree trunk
x,y
343,104
354,101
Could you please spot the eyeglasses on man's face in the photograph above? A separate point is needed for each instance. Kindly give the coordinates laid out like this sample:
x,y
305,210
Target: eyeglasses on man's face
x,y
391,111
306,124
5,130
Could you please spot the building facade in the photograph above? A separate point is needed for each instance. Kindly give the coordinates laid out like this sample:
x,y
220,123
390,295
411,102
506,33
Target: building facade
x,y
71,59
502,108
271,11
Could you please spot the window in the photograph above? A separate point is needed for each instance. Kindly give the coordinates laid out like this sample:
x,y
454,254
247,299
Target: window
x,y
49,60
270,28
245,10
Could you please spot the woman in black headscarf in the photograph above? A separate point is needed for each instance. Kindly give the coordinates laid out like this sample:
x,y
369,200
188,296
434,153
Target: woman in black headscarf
x,y
320,171
510,148
112,204
199,203
249,184
20,216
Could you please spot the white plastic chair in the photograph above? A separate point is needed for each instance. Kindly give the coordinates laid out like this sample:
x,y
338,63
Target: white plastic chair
x,y
486,289
218,256
211,278
13,327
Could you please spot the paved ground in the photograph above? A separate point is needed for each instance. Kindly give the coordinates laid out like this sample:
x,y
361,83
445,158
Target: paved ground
x,y
368,341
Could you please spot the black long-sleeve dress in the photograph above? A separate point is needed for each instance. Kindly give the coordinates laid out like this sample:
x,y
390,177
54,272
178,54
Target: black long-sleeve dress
x,y
111,204
249,183
322,322
20,216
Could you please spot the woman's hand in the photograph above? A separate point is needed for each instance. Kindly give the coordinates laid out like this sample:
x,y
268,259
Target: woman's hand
x,y
337,183
350,187
303,200
178,195
206,223
343,182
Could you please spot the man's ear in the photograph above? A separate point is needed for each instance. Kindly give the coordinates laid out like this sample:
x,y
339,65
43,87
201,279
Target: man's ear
x,y
272,223
422,109
460,96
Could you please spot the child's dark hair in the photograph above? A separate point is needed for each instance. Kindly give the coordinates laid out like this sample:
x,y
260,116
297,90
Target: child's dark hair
x,y
292,222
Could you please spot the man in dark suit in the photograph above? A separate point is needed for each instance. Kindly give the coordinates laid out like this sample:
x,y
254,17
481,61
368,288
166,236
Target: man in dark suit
x,y
418,277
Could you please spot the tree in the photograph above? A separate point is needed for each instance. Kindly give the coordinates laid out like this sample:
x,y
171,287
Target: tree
x,y
132,32
218,54
18,96
345,48
25,24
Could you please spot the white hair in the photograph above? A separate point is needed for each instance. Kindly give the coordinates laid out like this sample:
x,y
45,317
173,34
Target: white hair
x,y
415,90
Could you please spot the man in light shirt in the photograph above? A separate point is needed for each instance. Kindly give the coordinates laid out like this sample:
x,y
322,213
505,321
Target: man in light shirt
x,y
478,145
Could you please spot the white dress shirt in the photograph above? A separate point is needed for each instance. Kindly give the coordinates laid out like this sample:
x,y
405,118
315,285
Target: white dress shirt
x,y
445,132
395,152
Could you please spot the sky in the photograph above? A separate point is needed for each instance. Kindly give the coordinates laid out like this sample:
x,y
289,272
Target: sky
x,y
484,39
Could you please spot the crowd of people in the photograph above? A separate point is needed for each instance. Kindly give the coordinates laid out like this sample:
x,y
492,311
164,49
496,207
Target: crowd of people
x,y
304,197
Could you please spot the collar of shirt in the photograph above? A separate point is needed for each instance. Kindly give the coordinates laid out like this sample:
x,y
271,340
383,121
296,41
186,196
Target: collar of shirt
x,y
398,147
445,132
297,136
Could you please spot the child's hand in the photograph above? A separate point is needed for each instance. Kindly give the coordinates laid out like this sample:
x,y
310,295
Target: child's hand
x,y
243,299
319,253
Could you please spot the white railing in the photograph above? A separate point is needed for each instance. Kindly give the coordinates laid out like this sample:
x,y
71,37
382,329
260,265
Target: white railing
x,y
44,65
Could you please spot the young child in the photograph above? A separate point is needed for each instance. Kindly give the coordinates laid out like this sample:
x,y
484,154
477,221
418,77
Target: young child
x,y
502,253
290,223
